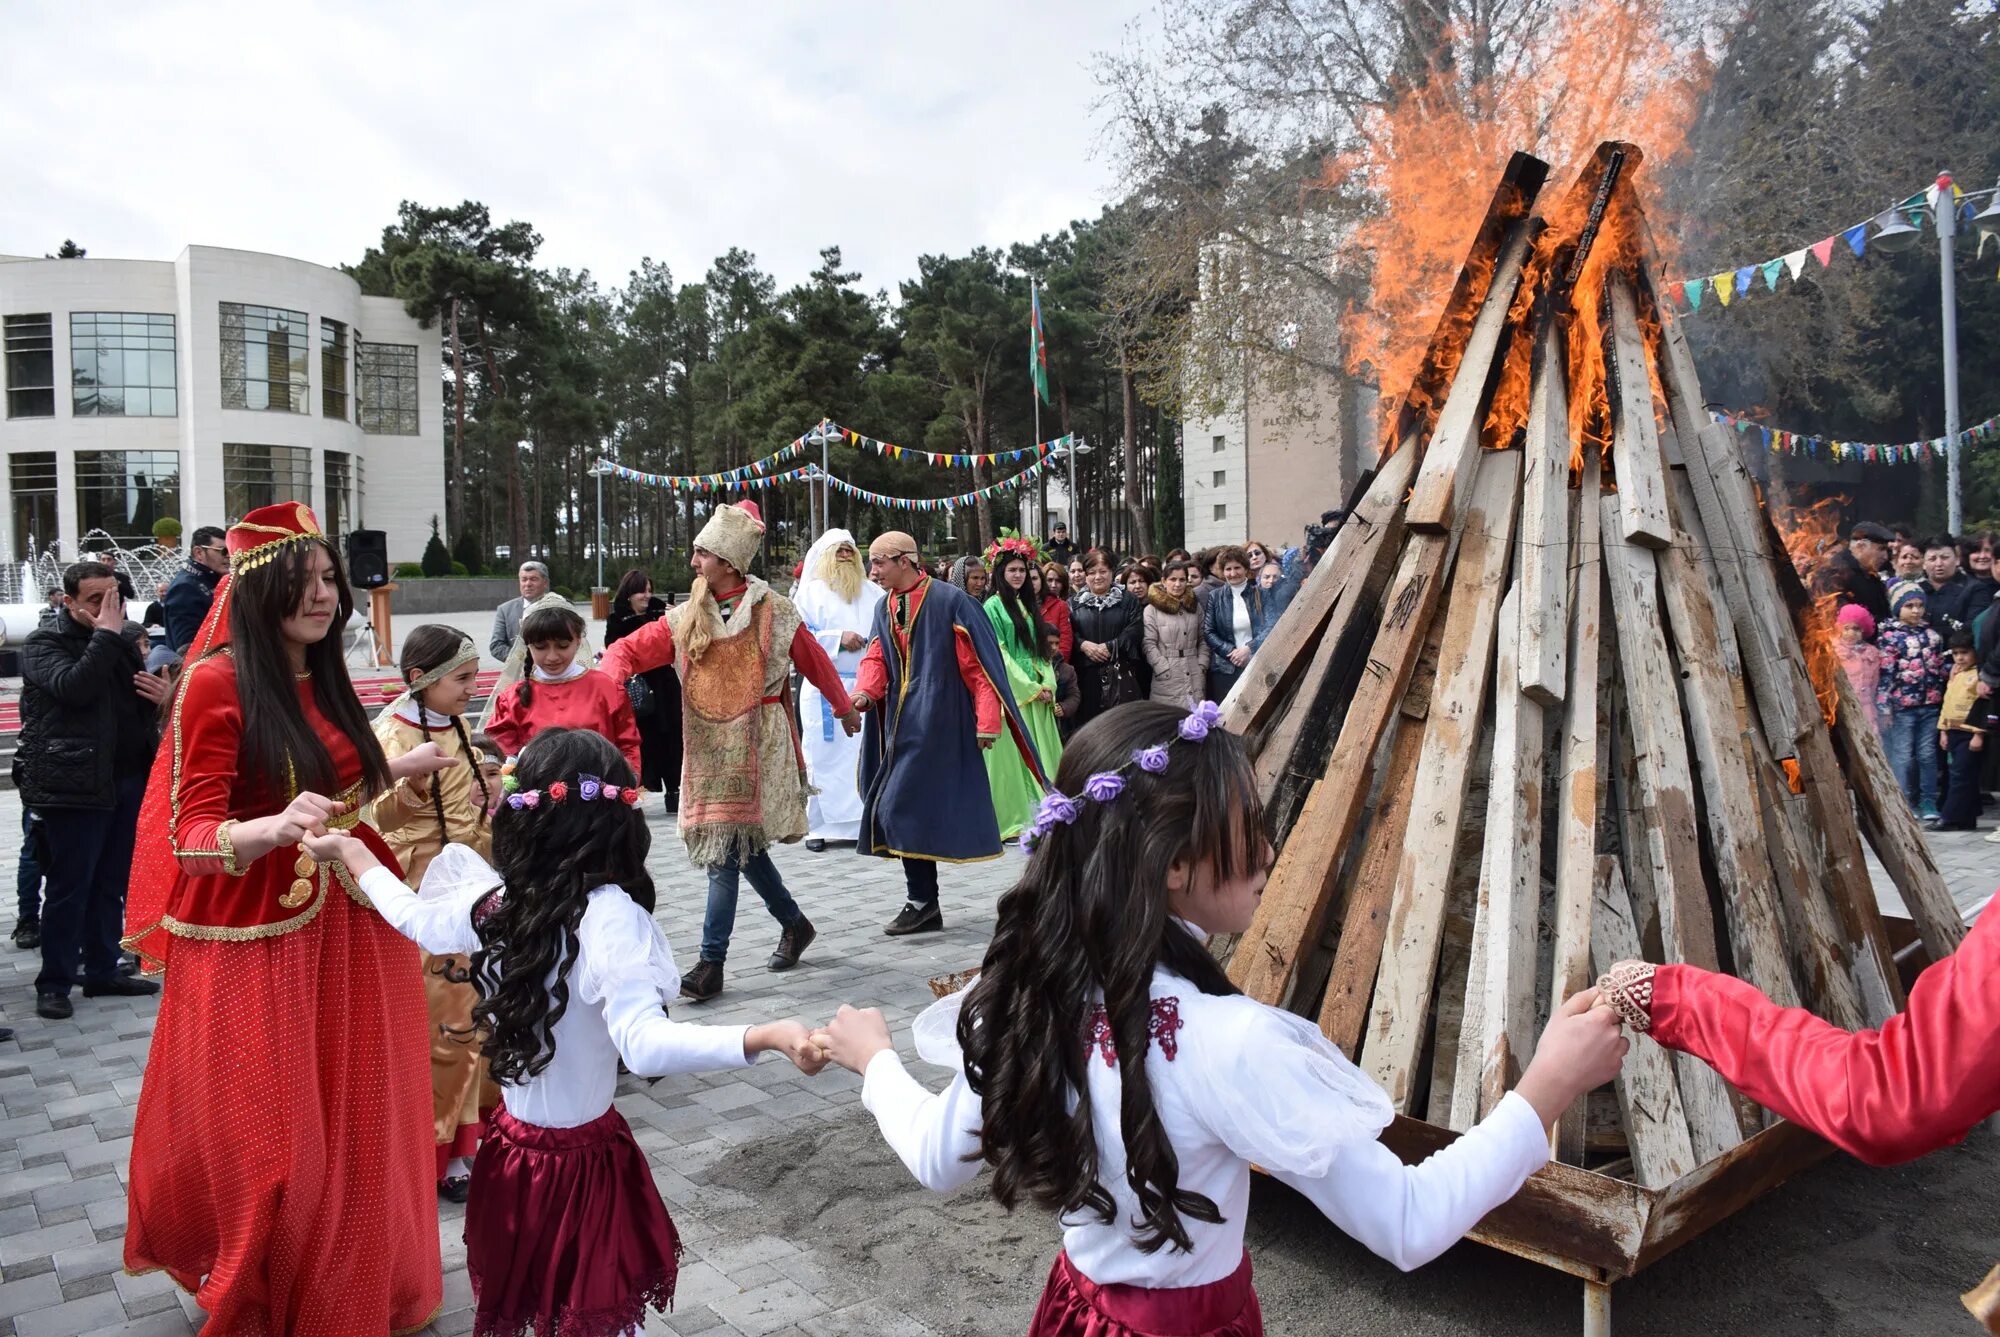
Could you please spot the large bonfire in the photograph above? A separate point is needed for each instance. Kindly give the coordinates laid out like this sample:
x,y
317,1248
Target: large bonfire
x,y
1555,697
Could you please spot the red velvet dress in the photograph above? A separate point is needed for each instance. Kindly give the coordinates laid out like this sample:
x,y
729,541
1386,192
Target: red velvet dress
x,y
282,1164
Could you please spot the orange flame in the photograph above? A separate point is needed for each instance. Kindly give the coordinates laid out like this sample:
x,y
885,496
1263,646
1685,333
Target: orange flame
x,y
1793,780
1809,536
1603,69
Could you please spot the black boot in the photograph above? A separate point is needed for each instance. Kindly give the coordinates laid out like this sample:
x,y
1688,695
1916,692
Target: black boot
x,y
792,943
28,935
703,982
915,918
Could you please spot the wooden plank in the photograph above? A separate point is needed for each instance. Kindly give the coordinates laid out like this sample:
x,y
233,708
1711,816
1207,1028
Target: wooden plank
x,y
1454,441
1545,511
1635,440
1408,958
1344,1007
1294,745
1656,1127
1578,794
1721,493
1514,871
1455,954
1886,820
1718,1190
1666,786
1736,838
1812,933
1279,666
1293,911
1464,1109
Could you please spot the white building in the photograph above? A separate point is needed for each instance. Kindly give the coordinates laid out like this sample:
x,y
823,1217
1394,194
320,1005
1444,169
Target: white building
x,y
205,387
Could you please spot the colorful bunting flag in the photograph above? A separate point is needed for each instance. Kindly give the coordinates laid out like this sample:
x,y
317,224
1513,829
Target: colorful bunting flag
x,y
1770,271
1857,239
1725,287
1901,452
1695,288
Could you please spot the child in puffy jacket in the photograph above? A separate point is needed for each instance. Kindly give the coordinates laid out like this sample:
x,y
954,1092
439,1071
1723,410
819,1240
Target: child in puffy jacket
x,y
1859,659
1914,673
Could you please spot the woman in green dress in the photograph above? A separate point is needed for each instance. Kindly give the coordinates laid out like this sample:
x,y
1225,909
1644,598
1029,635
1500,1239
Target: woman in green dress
x,y
1018,622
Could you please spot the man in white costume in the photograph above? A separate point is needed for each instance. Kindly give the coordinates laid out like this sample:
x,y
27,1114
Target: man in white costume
x,y
837,601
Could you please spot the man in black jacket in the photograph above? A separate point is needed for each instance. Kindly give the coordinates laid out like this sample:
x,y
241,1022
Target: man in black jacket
x,y
1949,591
89,726
189,594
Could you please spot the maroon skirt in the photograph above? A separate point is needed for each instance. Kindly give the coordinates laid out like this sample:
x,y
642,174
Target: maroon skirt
x,y
565,1235
1075,1306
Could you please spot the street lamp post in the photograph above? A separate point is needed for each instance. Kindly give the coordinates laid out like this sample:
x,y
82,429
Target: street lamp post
x,y
597,471
1947,229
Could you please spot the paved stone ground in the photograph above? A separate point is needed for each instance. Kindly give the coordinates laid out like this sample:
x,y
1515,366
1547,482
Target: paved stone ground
x,y
68,1091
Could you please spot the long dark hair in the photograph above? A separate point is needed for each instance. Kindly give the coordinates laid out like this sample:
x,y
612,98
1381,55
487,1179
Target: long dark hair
x,y
424,649
1054,574
550,858
1022,605
1090,913
279,745
539,628
632,582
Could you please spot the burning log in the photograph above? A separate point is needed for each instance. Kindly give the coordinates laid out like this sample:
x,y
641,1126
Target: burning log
x,y
1551,356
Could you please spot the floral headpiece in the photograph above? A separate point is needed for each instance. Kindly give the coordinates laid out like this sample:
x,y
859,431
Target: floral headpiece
x,y
1010,544
589,789
1058,808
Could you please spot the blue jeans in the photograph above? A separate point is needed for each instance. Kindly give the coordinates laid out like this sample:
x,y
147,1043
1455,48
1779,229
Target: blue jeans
x,y
1913,754
88,853
1960,809
28,872
720,921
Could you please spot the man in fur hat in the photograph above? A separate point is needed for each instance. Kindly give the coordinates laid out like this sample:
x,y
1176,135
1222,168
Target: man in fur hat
x,y
935,694
734,643
838,605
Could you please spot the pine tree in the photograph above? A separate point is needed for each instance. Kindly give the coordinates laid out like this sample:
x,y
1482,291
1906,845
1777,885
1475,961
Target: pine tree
x,y
437,560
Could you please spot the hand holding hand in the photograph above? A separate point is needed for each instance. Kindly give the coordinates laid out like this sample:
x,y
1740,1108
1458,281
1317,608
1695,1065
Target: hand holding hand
x,y
854,1037
306,815
151,687
339,847
789,1038
850,723
986,742
1580,1050
420,761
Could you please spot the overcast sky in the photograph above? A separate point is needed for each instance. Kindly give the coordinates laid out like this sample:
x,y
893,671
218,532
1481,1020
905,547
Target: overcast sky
x,y
621,130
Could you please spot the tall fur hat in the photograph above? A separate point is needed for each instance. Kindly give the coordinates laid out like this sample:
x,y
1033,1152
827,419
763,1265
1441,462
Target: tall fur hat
x,y
733,533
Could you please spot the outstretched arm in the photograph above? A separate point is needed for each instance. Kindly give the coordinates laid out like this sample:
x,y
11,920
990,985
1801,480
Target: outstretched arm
x,y
648,648
1919,1083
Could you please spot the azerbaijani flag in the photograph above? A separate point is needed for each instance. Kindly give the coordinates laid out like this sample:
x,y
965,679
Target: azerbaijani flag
x,y
1038,348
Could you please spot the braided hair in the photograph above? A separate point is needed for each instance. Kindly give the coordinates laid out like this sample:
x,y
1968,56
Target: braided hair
x,y
424,649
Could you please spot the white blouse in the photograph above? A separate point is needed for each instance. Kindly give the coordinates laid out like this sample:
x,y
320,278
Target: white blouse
x,y
619,984
1239,613
1234,1082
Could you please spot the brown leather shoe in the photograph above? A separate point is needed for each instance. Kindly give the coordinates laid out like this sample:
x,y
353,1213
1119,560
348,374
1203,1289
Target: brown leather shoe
x,y
703,982
792,943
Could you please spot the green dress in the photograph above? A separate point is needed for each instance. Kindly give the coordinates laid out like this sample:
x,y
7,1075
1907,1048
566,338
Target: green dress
x,y
1016,794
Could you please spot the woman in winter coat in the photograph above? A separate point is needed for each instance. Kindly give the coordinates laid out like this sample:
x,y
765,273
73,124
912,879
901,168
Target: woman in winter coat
x,y
1235,621
1173,640
1106,623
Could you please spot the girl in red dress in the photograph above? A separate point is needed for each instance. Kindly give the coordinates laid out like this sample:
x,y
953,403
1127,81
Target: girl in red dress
x,y
281,1167
560,690
1108,1070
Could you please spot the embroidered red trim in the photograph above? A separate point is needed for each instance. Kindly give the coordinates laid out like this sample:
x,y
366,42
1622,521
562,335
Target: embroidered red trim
x,y
1162,1028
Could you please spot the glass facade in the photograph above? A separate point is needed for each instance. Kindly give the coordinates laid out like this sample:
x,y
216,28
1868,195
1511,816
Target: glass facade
x,y
254,476
31,367
31,481
388,383
121,365
332,369
338,516
264,352
122,492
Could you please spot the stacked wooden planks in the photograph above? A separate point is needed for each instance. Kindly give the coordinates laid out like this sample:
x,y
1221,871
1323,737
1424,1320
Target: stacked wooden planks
x,y
1545,703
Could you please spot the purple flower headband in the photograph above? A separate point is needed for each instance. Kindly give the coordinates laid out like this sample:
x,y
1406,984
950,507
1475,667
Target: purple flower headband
x,y
589,788
1060,809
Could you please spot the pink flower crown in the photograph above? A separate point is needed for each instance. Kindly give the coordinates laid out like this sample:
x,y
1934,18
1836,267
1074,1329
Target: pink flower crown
x,y
1060,809
589,789
1008,546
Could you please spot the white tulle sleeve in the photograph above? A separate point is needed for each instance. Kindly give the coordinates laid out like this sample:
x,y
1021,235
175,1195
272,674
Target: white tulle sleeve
x,y
439,924
936,1134
624,963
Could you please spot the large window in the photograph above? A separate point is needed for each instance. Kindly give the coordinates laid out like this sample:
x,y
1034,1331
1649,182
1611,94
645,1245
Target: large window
x,y
388,381
332,369
122,492
31,479
254,476
121,365
339,515
31,366
264,358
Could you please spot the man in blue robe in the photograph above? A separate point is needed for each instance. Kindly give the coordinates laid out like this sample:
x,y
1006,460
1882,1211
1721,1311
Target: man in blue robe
x,y
933,694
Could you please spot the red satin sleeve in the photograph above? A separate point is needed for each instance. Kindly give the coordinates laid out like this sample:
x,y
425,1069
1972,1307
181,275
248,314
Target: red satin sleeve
x,y
872,678
809,657
207,732
1920,1083
985,701
642,651
507,726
